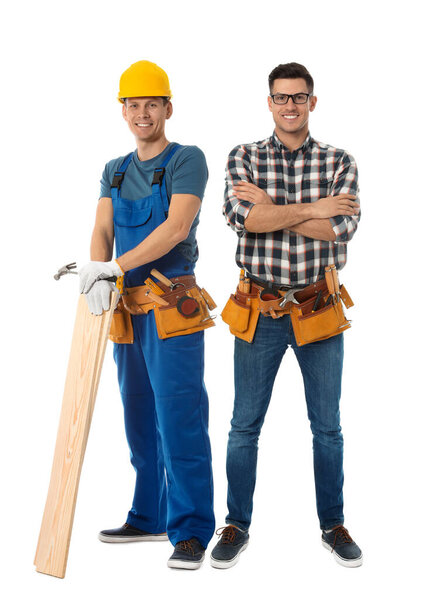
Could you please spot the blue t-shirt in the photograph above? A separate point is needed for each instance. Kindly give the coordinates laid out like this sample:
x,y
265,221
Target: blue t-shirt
x,y
186,173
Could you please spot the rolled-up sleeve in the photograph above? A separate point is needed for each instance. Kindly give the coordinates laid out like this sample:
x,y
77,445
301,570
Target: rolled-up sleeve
x,y
238,169
345,182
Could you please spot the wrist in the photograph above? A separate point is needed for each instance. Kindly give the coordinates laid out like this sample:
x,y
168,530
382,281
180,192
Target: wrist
x,y
118,269
310,211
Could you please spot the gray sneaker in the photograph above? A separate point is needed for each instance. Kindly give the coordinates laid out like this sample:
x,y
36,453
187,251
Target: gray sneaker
x,y
128,533
227,551
342,546
188,554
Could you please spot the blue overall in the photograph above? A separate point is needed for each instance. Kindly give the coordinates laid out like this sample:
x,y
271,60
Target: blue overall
x,y
163,393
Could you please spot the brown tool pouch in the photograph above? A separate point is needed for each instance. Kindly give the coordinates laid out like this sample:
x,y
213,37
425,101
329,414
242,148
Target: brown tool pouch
x,y
319,314
322,324
241,313
121,328
173,319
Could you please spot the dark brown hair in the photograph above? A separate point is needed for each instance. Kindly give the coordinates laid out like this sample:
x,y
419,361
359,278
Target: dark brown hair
x,y
291,71
165,99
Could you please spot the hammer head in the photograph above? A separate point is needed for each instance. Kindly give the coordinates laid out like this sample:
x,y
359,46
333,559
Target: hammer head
x,y
65,270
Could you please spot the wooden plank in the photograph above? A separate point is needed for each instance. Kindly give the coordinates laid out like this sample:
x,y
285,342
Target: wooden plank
x,y
82,379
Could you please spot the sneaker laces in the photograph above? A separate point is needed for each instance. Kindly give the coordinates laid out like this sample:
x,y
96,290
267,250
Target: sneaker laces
x,y
186,546
227,534
341,535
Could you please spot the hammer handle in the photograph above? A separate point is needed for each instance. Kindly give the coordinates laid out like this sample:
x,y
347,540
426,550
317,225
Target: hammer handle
x,y
161,278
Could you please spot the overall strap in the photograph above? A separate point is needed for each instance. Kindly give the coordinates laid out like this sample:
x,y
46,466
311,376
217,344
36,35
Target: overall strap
x,y
119,176
158,183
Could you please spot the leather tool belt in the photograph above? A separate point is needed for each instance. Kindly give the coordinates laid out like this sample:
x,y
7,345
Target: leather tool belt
x,y
179,309
316,311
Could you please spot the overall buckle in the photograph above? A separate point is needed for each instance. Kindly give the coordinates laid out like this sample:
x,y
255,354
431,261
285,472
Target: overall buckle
x,y
158,175
117,180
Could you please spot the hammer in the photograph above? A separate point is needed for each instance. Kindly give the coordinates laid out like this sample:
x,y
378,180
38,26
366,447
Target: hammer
x,y
66,269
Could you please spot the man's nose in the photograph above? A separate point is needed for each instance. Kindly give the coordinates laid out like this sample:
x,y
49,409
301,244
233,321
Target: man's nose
x,y
144,112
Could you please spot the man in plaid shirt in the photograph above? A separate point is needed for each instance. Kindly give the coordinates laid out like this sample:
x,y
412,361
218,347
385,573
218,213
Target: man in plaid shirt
x,y
293,202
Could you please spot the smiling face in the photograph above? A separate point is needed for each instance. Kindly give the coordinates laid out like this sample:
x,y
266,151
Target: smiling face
x,y
146,117
291,119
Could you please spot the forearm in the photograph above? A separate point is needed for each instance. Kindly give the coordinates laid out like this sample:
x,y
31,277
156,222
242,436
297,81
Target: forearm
x,y
160,241
103,234
101,244
317,229
264,218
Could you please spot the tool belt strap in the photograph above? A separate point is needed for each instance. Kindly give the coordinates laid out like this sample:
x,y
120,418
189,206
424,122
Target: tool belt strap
x,y
179,283
141,299
138,300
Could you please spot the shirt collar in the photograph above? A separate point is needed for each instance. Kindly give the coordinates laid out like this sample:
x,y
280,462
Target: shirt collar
x,y
278,144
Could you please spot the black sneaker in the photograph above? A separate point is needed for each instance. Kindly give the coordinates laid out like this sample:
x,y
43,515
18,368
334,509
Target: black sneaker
x,y
342,546
128,533
227,551
188,554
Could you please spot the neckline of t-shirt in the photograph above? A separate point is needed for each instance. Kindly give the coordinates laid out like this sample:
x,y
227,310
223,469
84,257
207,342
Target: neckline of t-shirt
x,y
155,161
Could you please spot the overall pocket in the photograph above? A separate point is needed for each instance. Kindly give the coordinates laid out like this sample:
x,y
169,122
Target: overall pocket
x,y
131,226
125,217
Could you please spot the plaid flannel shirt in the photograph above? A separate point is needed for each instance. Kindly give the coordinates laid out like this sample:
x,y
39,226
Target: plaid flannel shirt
x,y
313,171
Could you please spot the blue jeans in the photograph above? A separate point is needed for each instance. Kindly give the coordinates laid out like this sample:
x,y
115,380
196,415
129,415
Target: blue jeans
x,y
255,369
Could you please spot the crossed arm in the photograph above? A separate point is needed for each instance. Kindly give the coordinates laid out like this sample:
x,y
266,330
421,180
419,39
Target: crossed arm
x,y
248,208
310,220
182,211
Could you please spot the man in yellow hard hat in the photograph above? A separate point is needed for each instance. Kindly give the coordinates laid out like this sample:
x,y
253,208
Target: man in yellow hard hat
x,y
149,206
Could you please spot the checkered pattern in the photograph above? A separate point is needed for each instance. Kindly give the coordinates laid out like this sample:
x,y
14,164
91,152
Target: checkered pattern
x,y
313,171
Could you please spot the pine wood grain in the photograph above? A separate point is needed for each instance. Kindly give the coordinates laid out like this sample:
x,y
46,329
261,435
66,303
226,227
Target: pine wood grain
x,y
83,375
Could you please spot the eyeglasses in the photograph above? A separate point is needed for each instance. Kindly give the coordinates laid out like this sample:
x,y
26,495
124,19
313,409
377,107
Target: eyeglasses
x,y
300,98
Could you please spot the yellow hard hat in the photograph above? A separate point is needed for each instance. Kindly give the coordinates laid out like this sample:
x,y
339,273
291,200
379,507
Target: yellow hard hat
x,y
143,78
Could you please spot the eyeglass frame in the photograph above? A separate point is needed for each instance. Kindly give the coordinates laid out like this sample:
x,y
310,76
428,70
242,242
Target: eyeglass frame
x,y
292,96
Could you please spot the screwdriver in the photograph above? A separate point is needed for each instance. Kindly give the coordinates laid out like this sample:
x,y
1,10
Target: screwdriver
x,y
316,303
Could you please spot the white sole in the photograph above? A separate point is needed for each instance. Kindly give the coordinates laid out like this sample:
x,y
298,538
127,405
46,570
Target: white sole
x,y
184,564
351,564
119,539
227,564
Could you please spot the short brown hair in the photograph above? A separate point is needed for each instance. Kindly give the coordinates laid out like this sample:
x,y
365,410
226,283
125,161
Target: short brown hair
x,y
165,99
291,71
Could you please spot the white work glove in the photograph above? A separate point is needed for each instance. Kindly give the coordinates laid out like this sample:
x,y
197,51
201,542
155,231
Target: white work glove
x,y
95,271
98,297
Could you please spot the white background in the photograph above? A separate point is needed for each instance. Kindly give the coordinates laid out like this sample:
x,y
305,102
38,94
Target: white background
x,y
60,123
